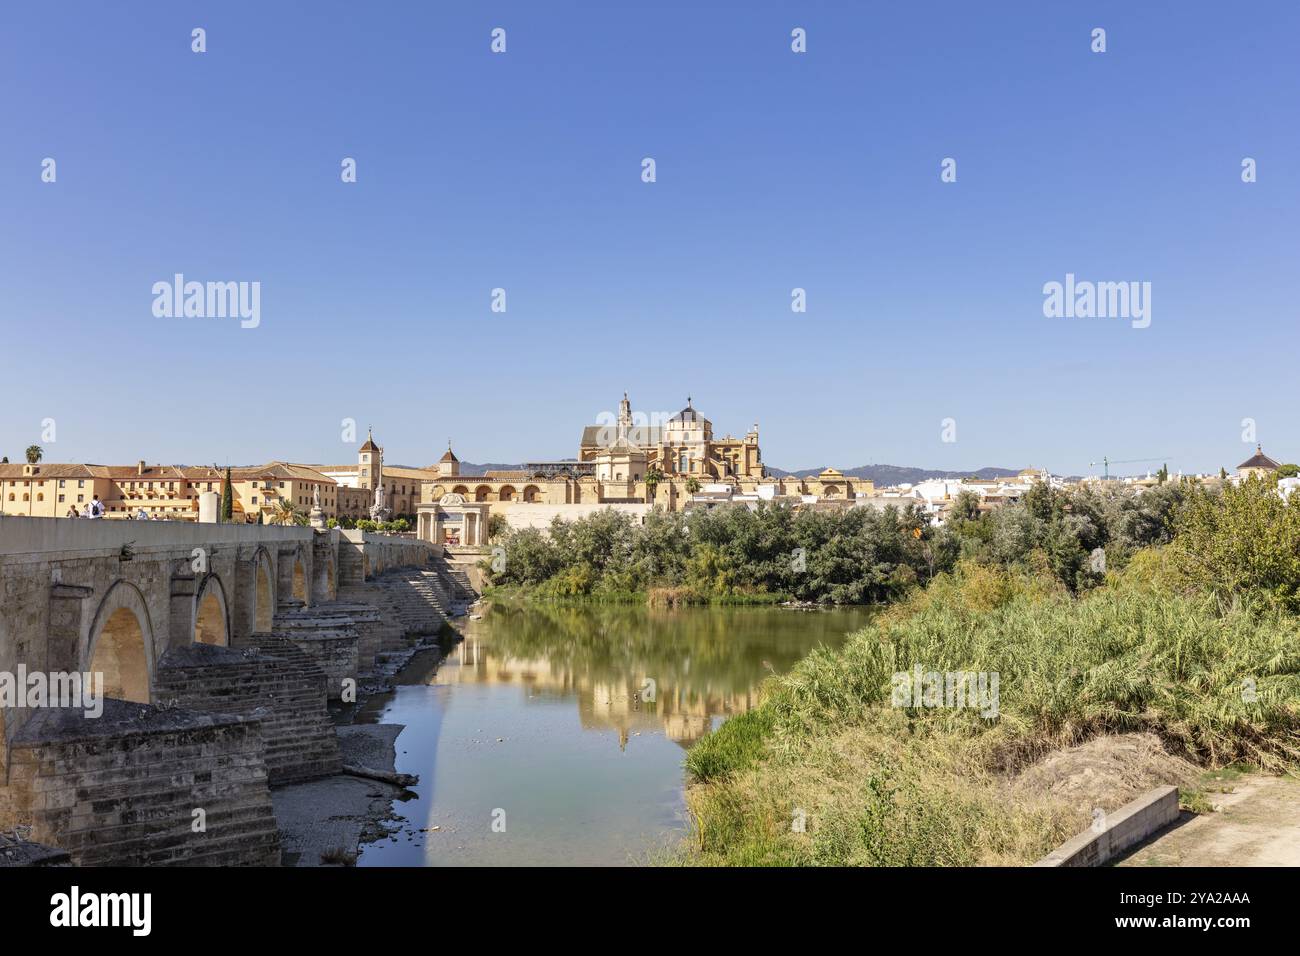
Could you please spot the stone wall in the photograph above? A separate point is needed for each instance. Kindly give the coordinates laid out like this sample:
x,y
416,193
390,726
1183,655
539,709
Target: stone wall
x,y
124,789
286,696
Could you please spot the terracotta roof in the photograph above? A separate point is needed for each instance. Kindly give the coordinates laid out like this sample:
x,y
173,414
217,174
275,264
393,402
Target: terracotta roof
x,y
52,470
448,455
1260,460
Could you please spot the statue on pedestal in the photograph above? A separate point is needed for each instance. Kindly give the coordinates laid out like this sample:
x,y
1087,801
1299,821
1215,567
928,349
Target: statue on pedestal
x,y
316,518
377,511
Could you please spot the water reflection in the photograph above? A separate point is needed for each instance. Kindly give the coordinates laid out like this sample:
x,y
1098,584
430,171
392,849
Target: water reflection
x,y
635,669
494,726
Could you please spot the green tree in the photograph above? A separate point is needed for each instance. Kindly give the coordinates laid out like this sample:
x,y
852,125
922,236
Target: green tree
x,y
227,499
1289,470
965,507
692,485
1244,539
34,454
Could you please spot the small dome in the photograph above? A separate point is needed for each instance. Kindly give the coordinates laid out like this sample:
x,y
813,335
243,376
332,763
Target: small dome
x,y
687,414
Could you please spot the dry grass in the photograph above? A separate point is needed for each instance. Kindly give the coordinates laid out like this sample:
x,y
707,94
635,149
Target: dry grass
x,y
885,785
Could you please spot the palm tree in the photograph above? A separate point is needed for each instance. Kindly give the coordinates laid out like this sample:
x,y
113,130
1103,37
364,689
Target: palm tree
x,y
692,485
287,513
652,479
34,454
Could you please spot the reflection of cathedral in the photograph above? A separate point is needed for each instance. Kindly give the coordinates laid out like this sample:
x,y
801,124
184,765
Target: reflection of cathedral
x,y
684,715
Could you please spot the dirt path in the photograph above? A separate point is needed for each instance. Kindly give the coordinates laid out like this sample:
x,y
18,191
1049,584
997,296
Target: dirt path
x,y
1256,824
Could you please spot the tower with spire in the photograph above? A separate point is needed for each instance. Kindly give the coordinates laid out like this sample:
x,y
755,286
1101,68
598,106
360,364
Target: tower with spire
x,y
448,464
370,463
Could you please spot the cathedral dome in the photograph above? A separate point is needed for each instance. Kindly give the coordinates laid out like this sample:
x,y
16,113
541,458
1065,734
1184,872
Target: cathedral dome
x,y
687,414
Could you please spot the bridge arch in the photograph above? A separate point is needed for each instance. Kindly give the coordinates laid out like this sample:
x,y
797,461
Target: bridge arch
x,y
120,644
211,613
263,591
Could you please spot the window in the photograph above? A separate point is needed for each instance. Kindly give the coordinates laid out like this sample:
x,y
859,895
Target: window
x,y
80,498
61,499
61,482
40,496
254,499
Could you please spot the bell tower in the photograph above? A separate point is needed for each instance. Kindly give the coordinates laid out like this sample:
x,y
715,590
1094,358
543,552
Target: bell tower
x,y
370,463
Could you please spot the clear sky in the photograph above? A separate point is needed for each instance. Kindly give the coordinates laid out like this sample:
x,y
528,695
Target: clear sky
x,y
775,170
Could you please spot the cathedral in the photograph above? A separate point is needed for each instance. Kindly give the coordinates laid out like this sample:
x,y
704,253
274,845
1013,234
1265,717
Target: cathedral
x,y
681,447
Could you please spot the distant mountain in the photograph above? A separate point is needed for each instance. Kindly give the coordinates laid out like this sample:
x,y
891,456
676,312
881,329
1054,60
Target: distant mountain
x,y
897,474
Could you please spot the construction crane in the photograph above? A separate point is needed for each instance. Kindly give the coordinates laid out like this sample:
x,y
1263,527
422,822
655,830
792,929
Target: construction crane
x,y
1106,463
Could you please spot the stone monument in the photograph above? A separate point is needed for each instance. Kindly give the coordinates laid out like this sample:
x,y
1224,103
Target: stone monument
x,y
378,512
316,518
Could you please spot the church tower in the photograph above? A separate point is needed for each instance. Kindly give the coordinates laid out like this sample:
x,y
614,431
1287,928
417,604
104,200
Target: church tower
x,y
370,464
448,464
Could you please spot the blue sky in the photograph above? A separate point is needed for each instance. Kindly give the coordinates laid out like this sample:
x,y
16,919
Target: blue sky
x,y
775,170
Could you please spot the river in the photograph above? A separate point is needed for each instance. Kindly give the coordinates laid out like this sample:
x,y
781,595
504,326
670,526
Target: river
x,y
556,735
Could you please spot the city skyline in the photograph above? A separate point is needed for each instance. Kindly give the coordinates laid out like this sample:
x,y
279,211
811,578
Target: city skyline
x,y
776,171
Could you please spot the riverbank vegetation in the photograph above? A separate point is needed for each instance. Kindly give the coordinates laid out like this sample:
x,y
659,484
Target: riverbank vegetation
x,y
731,554
1189,635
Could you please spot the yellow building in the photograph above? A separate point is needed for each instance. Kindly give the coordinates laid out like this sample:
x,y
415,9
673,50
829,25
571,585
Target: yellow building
x,y
359,484
160,491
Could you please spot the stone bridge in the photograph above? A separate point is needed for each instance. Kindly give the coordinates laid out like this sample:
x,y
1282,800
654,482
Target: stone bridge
x,y
218,641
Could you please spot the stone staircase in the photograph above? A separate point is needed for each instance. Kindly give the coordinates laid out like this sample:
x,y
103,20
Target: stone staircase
x,y
123,788
277,683
327,633
392,635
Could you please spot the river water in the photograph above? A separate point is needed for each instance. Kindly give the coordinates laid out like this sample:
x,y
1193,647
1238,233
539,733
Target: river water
x,y
556,735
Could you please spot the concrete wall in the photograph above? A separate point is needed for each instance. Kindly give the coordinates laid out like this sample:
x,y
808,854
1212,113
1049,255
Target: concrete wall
x,y
1118,831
